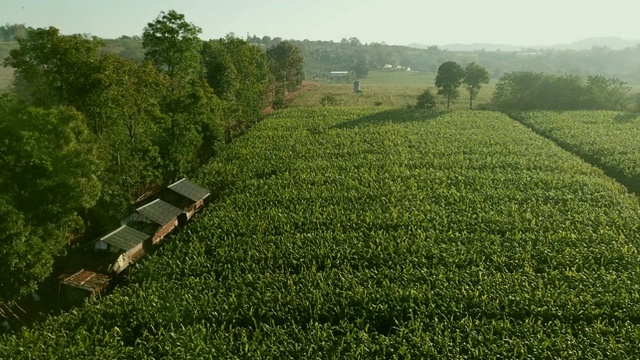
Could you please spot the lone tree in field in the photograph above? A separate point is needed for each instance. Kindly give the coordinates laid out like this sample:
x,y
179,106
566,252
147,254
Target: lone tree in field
x,y
448,79
474,76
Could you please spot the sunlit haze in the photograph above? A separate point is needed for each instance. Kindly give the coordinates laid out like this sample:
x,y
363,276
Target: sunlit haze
x,y
516,22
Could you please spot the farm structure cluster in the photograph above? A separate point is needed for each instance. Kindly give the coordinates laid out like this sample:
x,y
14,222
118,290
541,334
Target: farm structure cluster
x,y
104,258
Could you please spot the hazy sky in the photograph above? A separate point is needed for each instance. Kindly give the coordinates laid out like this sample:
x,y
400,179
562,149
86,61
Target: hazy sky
x,y
517,22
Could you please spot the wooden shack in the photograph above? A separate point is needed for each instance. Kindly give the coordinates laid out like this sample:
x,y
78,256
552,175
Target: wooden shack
x,y
83,284
126,243
159,216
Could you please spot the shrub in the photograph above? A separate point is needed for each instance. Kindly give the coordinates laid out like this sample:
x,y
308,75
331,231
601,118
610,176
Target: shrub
x,y
328,100
426,100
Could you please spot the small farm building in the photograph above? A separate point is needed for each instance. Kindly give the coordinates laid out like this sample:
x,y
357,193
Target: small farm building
x,y
340,76
84,284
125,241
194,193
161,218
184,195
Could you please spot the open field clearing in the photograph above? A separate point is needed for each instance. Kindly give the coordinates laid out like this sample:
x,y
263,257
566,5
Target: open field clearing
x,y
379,233
607,138
387,88
6,76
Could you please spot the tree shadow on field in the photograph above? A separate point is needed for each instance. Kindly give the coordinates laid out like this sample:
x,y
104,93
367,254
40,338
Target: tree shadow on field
x,y
395,116
626,117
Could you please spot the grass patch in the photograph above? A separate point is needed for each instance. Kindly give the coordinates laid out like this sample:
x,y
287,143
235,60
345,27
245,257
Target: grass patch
x,y
388,88
6,76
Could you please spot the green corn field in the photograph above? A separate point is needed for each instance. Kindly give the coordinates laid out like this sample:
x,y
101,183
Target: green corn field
x,y
370,232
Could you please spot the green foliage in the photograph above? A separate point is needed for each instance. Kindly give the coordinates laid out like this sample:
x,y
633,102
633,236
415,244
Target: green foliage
x,y
474,77
239,74
279,99
172,45
27,252
426,100
285,63
606,93
529,91
52,69
448,80
361,68
193,126
49,164
125,114
328,100
13,32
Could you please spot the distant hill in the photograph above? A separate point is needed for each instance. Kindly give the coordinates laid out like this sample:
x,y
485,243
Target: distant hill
x,y
614,43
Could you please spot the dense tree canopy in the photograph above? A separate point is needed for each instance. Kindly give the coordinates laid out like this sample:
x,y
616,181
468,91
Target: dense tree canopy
x,y
238,73
85,131
529,91
172,44
285,62
48,181
52,69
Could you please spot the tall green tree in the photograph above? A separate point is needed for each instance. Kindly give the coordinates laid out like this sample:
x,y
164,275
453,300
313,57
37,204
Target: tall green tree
x,y
285,62
606,93
238,73
474,77
191,108
448,80
48,181
172,44
125,114
53,69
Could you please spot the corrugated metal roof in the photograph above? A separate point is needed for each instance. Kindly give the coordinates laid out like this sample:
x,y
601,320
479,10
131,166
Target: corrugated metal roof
x,y
189,190
159,211
125,237
88,280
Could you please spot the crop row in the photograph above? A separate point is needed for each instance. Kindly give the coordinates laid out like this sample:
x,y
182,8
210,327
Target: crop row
x,y
609,139
355,233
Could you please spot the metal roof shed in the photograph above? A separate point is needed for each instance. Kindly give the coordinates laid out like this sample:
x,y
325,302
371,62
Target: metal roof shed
x,y
195,193
189,190
159,212
126,241
125,238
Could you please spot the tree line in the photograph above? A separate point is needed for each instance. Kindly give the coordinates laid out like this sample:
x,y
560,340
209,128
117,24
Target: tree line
x,y
526,90
84,132
322,57
449,78
529,90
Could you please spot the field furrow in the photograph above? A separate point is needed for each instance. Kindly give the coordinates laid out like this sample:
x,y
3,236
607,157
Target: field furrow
x,y
608,139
